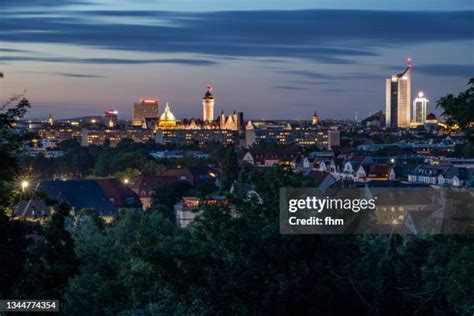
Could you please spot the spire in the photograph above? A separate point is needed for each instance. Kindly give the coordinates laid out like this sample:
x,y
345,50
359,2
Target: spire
x,y
249,125
208,94
409,62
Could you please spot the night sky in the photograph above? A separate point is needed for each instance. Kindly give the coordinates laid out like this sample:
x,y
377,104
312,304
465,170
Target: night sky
x,y
271,60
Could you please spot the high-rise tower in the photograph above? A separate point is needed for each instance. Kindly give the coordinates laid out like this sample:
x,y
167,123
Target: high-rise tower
x,y
208,106
420,105
111,118
398,98
145,109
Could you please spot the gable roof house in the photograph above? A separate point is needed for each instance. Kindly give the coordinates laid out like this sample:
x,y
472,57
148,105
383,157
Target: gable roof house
x,y
145,185
427,174
381,172
456,177
119,194
79,194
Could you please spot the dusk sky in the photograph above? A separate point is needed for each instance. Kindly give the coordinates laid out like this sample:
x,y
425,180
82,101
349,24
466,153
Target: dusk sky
x,y
270,59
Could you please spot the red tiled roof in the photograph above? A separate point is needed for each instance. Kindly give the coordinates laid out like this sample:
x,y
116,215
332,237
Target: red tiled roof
x,y
149,183
379,171
121,195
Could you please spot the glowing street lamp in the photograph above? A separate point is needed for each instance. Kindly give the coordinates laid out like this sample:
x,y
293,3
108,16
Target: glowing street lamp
x,y
24,185
126,181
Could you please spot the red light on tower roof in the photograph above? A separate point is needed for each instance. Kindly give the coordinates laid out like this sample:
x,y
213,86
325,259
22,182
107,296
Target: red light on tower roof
x,y
149,101
111,111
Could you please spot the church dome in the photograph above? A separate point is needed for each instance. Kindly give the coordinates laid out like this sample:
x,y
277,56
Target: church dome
x,y
167,119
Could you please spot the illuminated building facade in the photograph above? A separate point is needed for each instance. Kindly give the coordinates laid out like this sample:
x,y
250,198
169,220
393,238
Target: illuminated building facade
x,y
420,105
143,110
198,136
284,136
398,99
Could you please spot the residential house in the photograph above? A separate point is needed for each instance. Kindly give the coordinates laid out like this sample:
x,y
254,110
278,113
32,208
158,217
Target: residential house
x,y
381,172
188,208
119,194
79,194
145,185
427,174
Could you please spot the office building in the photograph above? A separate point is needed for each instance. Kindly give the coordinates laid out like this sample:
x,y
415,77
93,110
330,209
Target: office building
x,y
398,99
143,110
420,105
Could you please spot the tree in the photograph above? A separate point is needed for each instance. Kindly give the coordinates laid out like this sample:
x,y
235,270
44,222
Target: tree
x,y
10,144
51,260
459,110
165,197
127,173
229,166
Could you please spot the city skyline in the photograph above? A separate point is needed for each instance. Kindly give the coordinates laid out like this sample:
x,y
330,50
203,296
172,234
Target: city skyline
x,y
79,58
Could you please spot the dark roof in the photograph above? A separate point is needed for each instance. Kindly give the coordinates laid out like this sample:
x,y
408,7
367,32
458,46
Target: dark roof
x,y
119,194
150,183
379,171
33,208
460,172
79,194
431,117
320,176
393,184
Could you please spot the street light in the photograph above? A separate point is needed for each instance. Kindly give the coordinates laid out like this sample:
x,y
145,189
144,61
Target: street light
x,y
126,181
24,185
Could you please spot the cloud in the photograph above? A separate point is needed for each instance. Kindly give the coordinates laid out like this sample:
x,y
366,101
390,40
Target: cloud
x,y
310,82
13,50
335,90
288,88
314,35
328,77
445,70
74,75
41,3
307,74
102,61
65,74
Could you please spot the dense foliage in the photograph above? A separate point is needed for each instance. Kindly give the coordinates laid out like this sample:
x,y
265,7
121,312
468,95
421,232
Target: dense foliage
x,y
459,111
